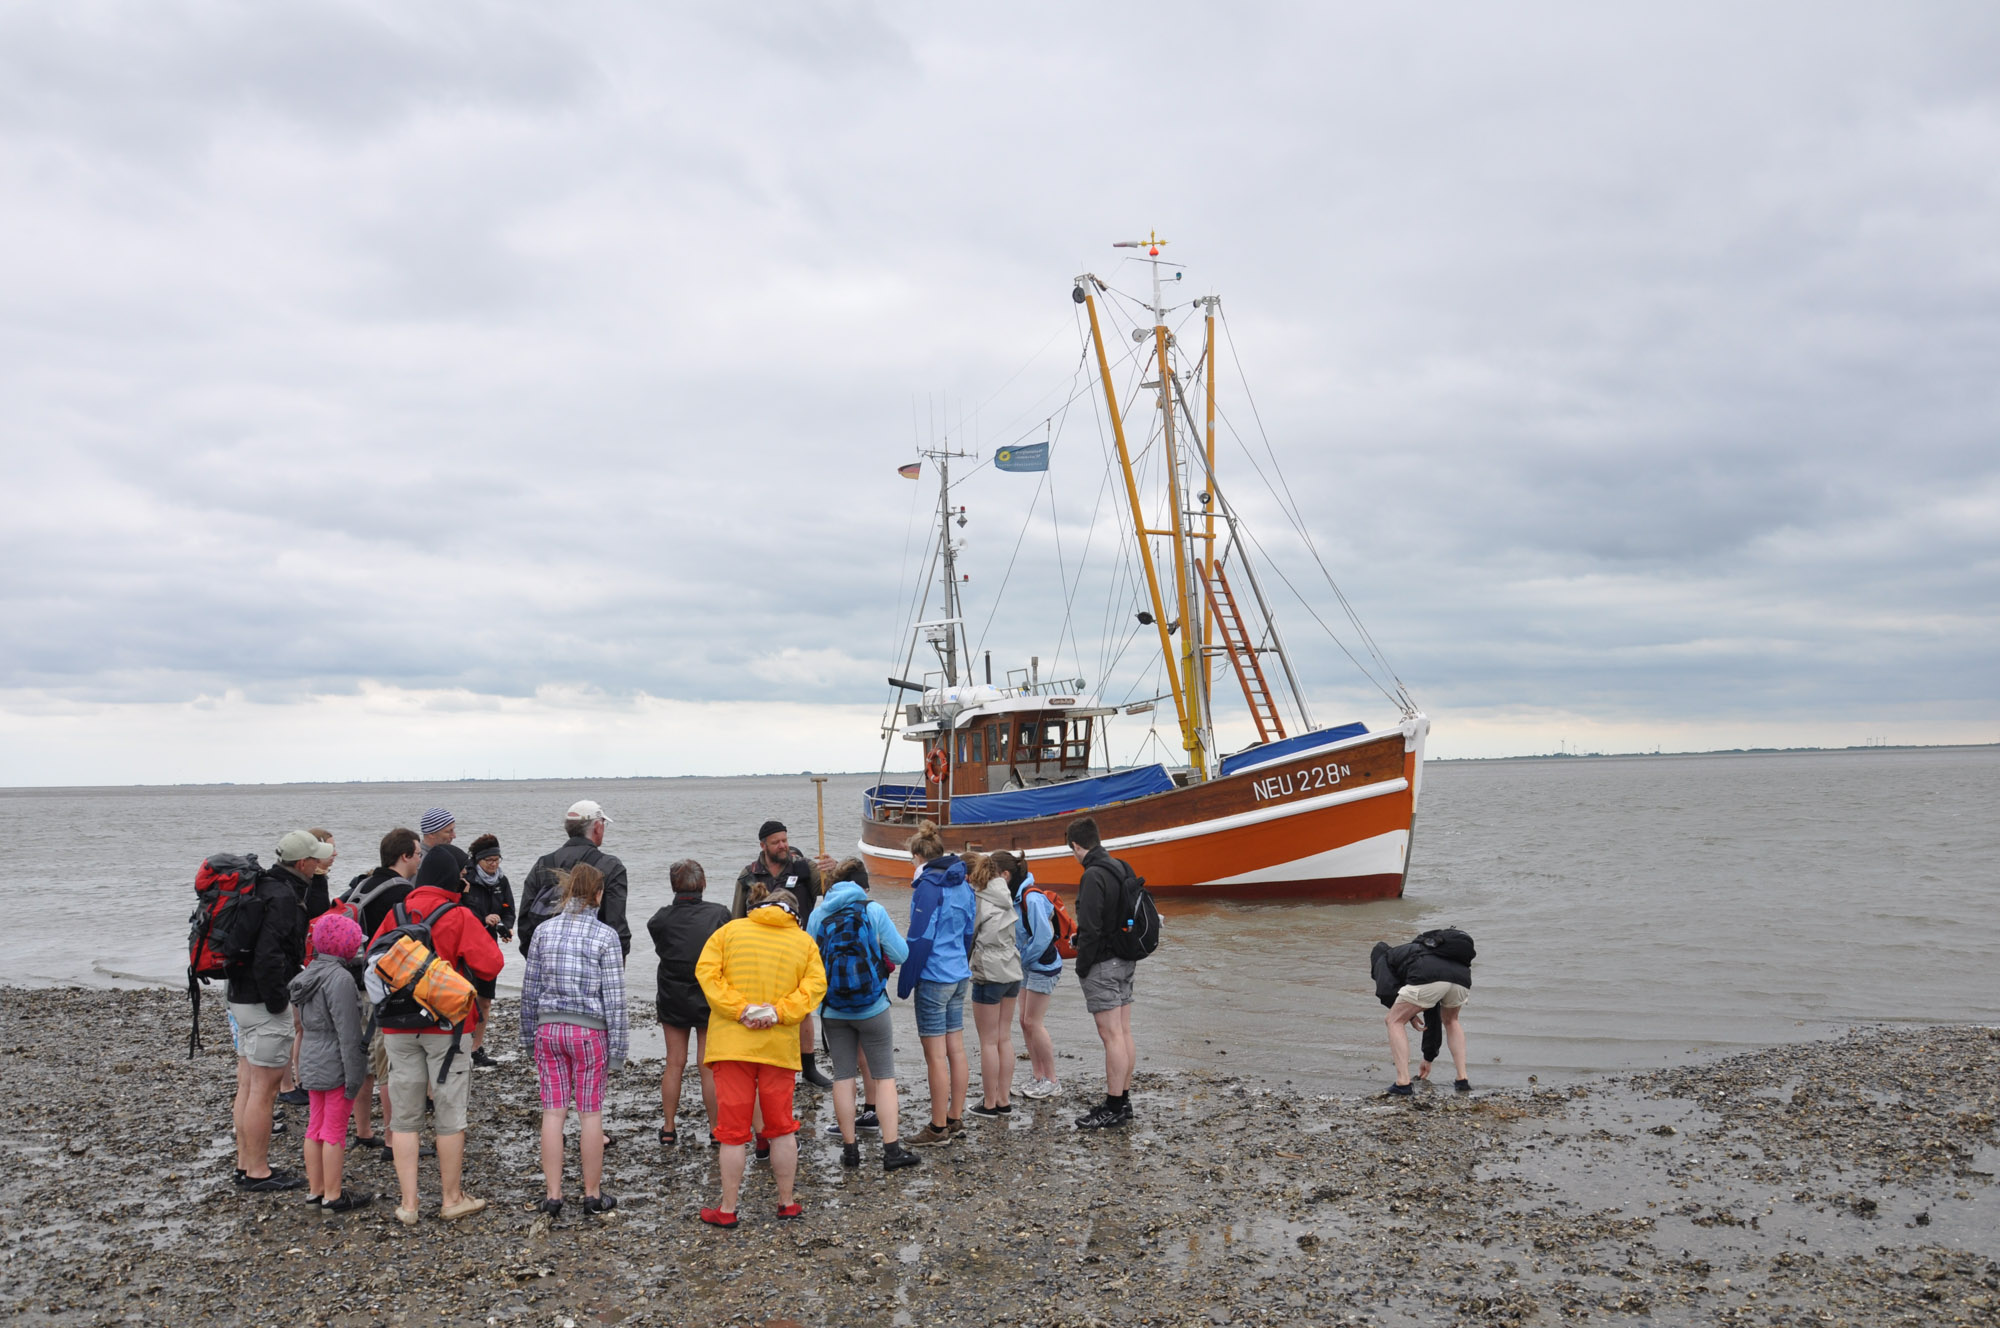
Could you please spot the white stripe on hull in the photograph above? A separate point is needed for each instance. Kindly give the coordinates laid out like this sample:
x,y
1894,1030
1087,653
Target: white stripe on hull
x,y
1380,855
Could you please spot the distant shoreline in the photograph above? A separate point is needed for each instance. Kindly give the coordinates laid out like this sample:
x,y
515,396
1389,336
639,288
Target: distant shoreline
x,y
913,774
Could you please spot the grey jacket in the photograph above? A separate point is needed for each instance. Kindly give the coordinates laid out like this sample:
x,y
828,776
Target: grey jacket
x,y
332,1054
995,957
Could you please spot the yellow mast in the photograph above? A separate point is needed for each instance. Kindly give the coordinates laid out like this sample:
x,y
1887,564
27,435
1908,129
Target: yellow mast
x,y
1190,659
1086,287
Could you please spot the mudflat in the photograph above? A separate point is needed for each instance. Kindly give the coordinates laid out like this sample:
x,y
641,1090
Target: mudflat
x,y
1836,1182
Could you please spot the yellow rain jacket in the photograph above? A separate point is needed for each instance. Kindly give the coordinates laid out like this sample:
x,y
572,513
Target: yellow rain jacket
x,y
763,959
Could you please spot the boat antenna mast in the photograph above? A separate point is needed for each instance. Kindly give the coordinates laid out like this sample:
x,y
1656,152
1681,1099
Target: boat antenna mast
x,y
948,634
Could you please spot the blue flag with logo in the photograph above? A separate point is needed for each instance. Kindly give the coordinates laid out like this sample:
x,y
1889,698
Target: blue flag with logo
x,y
1027,456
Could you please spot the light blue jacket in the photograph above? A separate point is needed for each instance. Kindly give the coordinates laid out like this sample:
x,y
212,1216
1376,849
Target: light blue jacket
x,y
944,911
887,939
1035,929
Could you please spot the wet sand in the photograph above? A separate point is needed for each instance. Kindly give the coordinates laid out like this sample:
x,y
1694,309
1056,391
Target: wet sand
x,y
1840,1182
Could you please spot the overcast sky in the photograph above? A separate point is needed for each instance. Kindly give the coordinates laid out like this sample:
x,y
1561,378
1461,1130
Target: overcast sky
x,y
413,390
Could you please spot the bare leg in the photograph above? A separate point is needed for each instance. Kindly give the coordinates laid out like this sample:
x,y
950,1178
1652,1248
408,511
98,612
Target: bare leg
x,y
364,1125
1114,1030
253,1130
670,1078
451,1167
987,1019
785,1165
884,1091
332,1161
1041,1047
1454,1036
843,1108
404,1143
313,1147
592,1130
1398,1019
1003,1081
707,1075
552,1150
734,1156
937,1064
961,1071
243,1068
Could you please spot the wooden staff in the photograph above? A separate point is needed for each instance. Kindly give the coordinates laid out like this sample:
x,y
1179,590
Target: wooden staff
x,y
819,796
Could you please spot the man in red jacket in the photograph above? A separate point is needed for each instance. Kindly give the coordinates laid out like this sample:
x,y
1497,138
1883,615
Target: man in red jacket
x,y
418,1049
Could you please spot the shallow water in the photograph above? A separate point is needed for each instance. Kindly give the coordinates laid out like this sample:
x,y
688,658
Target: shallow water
x,y
1629,912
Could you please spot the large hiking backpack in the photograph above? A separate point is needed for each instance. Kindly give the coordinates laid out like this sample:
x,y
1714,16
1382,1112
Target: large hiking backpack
x,y
1449,943
853,960
1138,934
1064,944
215,944
412,988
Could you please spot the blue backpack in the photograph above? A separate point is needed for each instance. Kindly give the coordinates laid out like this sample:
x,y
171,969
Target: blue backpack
x,y
853,960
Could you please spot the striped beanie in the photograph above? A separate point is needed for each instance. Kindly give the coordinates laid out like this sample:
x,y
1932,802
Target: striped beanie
x,y
436,819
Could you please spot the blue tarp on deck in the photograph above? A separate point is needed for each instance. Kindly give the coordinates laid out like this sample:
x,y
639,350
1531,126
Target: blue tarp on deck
x,y
1056,799
1283,747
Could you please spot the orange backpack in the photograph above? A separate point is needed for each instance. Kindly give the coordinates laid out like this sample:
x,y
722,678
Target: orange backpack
x,y
1059,918
411,987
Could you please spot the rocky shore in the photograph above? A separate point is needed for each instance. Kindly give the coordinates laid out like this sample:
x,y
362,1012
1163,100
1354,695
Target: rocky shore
x,y
1845,1182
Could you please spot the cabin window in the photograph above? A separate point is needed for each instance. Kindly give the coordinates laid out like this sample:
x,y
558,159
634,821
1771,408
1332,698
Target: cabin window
x,y
1000,732
977,744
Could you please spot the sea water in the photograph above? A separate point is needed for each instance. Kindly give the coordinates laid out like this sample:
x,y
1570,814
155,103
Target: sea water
x,y
1629,912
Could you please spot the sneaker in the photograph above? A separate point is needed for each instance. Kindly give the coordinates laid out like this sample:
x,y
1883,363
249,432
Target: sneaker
x,y
483,1061
314,1201
763,1147
868,1122
346,1203
1462,1085
850,1155
956,1124
993,1113
791,1212
598,1203
715,1217
552,1208
895,1156
833,1129
1037,1088
931,1135
1401,1090
294,1097
274,1183
1105,1115
370,1141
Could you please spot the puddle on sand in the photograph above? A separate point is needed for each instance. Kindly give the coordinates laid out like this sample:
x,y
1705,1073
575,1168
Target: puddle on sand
x,y
910,1253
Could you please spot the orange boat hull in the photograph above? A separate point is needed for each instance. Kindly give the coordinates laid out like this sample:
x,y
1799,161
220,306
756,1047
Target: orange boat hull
x,y
1334,824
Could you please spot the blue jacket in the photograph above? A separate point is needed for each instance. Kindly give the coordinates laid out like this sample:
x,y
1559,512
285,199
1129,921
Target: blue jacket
x,y
1035,929
945,912
887,939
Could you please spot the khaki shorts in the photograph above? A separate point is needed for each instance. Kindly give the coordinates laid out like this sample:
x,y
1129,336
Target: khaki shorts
x,y
413,1066
1448,994
1108,985
262,1038
378,1058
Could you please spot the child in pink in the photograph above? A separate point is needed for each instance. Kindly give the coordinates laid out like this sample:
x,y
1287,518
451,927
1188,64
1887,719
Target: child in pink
x,y
333,1058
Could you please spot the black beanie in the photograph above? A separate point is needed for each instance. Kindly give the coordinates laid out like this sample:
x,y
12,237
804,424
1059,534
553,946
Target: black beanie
x,y
444,867
769,828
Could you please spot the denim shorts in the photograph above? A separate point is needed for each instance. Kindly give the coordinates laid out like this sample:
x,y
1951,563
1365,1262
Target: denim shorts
x,y
1043,983
992,993
941,1007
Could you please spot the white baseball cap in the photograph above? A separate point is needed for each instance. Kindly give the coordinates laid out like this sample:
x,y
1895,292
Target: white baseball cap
x,y
586,811
298,845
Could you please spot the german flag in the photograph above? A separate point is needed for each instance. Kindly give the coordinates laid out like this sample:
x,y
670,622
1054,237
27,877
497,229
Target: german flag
x,y
909,472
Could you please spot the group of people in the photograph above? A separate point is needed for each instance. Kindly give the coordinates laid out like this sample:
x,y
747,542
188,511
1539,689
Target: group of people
x,y
309,1000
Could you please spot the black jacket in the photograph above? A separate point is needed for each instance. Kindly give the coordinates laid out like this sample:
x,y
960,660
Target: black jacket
x,y
679,931
1412,965
269,930
497,898
799,876
1100,898
538,890
318,899
375,909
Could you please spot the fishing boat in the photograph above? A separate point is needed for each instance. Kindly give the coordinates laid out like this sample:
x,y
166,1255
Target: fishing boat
x,y
1303,811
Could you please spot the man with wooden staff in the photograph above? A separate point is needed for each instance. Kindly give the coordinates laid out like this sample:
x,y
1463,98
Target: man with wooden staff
x,y
781,867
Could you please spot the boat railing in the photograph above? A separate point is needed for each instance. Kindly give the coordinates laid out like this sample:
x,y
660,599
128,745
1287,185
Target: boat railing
x,y
894,802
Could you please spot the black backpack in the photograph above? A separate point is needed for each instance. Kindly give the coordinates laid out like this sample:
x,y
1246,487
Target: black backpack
x,y
1138,933
399,1009
1449,943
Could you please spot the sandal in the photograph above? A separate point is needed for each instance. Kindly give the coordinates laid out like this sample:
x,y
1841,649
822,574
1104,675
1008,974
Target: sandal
x,y
553,1207
669,1137
715,1217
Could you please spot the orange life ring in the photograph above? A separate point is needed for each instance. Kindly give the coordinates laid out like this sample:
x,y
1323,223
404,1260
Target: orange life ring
x,y
935,765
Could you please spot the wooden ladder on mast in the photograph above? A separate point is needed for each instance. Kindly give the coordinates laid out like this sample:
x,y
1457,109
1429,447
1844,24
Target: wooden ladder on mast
x,y
1242,654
